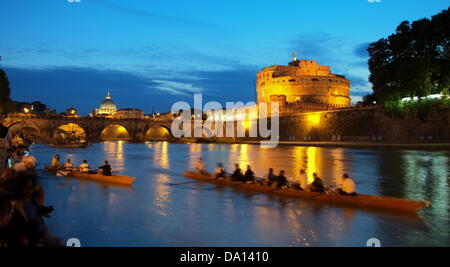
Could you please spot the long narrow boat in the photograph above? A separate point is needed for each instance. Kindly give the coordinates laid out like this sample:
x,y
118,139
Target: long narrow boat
x,y
361,201
117,179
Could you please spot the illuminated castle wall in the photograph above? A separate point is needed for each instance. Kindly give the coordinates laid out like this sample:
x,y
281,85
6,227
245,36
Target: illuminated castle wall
x,y
303,81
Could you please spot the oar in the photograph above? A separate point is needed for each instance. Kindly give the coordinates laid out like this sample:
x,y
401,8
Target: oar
x,y
190,182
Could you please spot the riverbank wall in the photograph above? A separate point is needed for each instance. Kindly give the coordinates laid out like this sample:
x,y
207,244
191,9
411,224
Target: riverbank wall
x,y
364,125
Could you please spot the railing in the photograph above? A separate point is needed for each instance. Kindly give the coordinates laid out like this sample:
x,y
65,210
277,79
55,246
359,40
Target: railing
x,y
60,117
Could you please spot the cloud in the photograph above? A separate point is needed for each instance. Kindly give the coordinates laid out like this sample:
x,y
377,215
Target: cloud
x,y
176,88
84,88
359,86
361,50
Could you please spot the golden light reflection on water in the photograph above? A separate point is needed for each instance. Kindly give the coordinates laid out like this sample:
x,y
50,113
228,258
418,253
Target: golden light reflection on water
x,y
195,152
162,194
244,159
337,165
161,154
115,154
311,163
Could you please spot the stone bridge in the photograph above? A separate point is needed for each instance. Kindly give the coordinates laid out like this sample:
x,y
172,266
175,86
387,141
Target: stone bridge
x,y
94,129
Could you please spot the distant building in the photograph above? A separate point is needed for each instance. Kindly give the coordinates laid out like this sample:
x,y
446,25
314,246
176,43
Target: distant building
x,y
71,112
129,113
302,81
107,107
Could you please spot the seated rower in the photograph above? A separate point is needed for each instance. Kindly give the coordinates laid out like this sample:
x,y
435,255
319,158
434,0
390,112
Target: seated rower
x,y
84,167
281,180
304,181
317,185
55,162
200,167
68,165
249,175
220,171
237,174
105,170
347,186
271,177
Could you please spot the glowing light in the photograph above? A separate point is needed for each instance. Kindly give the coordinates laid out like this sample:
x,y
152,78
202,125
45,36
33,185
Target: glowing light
x,y
313,119
115,131
312,163
73,128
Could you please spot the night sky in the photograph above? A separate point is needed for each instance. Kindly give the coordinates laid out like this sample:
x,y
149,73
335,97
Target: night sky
x,y
154,53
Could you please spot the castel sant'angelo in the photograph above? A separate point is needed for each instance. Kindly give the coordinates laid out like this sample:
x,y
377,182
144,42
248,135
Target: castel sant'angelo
x,y
303,83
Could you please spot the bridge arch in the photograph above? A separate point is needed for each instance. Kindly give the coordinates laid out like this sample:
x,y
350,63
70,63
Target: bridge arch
x,y
157,133
23,125
115,131
62,131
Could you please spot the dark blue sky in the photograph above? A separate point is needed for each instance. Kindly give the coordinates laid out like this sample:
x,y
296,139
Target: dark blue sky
x,y
158,52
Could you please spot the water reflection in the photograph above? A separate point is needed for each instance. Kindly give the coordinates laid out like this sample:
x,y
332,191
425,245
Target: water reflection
x,y
161,155
114,152
162,194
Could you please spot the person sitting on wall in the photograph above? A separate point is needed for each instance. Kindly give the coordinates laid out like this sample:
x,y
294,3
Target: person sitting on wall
x,y
347,186
317,185
237,174
105,169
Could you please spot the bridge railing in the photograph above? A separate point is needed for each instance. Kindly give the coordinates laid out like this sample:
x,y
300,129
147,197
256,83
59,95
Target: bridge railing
x,y
62,117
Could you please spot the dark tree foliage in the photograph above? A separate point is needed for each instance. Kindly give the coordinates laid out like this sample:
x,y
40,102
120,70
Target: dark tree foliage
x,y
414,61
6,105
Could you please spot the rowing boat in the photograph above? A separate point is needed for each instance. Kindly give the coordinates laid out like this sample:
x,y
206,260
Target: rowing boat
x,y
360,201
117,179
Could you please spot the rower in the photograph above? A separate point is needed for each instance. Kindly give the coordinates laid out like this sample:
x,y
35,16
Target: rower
x,y
281,179
271,177
55,162
105,169
249,175
68,164
347,186
84,167
317,184
304,181
237,174
220,171
200,166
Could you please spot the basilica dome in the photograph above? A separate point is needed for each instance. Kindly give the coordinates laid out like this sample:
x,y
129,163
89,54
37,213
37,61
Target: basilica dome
x,y
107,107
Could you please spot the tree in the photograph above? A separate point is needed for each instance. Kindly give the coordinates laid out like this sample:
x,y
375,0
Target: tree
x,y
414,61
6,105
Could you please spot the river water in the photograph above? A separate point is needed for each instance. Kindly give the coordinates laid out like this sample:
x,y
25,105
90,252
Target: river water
x,y
154,212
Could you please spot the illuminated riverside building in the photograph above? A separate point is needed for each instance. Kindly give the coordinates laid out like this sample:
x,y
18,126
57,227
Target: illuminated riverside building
x,y
301,87
107,107
303,82
129,113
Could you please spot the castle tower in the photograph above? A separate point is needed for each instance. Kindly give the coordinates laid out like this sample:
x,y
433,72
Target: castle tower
x,y
303,81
